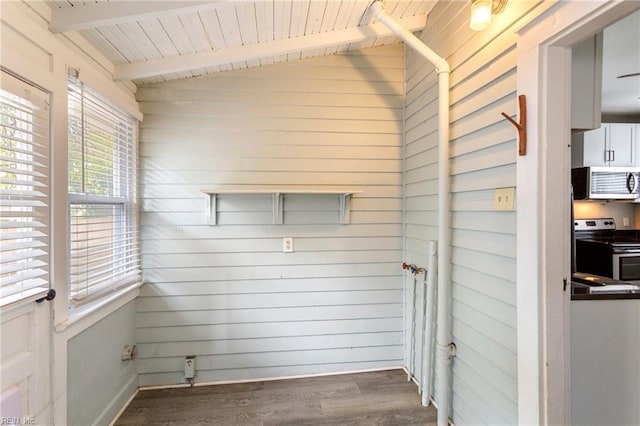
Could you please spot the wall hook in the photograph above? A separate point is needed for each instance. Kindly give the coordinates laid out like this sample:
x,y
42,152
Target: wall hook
x,y
522,125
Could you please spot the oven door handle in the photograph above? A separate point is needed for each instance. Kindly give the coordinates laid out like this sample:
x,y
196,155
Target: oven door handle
x,y
631,177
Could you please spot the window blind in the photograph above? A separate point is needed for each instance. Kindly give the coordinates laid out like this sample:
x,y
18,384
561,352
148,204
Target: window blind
x,y
104,253
24,190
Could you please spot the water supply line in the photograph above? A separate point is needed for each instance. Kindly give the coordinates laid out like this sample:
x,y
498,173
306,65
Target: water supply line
x,y
444,351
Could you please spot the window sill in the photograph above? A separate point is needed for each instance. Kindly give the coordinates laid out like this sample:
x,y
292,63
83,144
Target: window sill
x,y
83,317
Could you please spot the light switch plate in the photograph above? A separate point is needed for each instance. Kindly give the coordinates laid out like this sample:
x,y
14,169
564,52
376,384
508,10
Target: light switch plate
x,y
504,198
287,245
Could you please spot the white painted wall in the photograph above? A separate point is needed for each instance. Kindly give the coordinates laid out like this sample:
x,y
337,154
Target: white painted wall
x,y
100,383
483,150
227,293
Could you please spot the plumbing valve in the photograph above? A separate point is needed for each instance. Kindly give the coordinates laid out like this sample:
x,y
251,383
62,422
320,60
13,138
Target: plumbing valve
x,y
414,269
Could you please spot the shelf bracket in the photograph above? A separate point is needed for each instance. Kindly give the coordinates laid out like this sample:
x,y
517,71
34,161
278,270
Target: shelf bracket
x,y
278,208
522,125
345,209
212,209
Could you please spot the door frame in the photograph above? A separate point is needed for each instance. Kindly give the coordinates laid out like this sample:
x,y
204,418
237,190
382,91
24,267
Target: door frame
x,y
28,365
543,194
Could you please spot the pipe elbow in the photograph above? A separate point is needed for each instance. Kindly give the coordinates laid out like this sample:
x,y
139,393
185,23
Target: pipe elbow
x,y
442,66
377,11
376,8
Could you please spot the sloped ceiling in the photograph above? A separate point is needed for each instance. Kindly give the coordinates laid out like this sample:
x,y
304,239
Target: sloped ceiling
x,y
151,41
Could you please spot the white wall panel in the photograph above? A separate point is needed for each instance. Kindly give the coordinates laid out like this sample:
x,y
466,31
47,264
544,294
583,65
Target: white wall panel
x,y
227,293
483,156
93,357
304,313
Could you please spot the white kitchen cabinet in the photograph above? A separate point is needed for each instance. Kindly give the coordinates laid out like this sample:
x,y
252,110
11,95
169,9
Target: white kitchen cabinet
x,y
586,83
622,144
613,144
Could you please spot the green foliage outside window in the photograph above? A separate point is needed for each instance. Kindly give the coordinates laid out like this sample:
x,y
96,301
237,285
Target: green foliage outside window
x,y
8,155
92,162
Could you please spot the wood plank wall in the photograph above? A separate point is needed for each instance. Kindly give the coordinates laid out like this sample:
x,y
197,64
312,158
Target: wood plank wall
x,y
484,152
228,294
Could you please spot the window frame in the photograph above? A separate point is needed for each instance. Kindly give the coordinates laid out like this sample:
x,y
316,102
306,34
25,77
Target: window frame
x,y
122,270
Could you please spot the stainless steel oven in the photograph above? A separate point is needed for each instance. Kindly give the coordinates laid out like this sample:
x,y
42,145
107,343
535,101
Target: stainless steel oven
x,y
602,250
626,266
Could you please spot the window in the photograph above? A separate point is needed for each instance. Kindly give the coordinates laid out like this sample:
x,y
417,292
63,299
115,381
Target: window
x,y
24,190
104,254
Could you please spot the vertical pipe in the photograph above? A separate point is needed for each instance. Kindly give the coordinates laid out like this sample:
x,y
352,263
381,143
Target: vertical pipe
x,y
423,332
412,327
443,335
427,351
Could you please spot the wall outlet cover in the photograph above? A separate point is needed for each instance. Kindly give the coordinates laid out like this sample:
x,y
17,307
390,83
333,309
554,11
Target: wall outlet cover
x,y
287,245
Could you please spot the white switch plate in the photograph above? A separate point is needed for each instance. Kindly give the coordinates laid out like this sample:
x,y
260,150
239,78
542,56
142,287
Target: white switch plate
x,y
503,199
625,221
287,245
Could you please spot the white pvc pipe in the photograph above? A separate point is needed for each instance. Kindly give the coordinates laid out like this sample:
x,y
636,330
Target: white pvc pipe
x,y
442,66
427,350
412,333
443,339
425,346
444,321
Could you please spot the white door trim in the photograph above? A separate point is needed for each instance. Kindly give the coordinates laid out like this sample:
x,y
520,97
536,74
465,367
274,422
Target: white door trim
x,y
543,205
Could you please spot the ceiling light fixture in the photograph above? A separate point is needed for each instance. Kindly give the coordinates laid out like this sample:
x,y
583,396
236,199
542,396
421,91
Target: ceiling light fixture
x,y
482,12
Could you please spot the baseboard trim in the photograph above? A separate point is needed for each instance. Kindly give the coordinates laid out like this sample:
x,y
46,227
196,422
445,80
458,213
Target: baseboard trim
x,y
271,379
130,389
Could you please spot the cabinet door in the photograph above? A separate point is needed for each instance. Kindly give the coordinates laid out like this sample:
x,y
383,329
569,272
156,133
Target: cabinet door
x,y
621,139
595,147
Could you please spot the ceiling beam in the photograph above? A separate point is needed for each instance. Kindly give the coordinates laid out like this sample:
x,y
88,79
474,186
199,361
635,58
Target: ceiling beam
x,y
173,64
94,15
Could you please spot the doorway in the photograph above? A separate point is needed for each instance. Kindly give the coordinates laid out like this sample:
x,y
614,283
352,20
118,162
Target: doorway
x,y
544,65
25,322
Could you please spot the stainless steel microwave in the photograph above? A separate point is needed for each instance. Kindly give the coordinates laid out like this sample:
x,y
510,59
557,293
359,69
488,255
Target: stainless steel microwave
x,y
605,183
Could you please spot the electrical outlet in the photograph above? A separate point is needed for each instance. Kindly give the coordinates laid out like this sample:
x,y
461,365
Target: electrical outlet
x,y
503,199
625,221
287,245
190,367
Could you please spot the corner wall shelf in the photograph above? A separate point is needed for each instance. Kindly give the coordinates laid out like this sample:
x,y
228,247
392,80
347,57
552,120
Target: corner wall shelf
x,y
277,196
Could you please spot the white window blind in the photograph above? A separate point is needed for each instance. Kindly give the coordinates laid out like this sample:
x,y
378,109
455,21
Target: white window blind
x,y
104,253
24,190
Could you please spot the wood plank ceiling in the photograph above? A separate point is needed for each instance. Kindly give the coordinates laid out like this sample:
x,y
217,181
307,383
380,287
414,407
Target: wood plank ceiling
x,y
151,41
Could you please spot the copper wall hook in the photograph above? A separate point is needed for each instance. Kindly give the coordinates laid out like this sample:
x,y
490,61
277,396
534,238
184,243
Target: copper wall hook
x,y
522,125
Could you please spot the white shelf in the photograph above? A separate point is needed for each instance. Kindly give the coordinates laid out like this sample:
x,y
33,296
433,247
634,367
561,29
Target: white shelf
x,y
277,195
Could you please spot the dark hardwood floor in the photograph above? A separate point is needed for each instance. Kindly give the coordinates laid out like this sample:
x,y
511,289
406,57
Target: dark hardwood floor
x,y
376,398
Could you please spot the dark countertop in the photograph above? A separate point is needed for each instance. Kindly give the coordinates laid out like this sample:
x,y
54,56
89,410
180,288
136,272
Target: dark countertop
x,y
581,292
605,296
